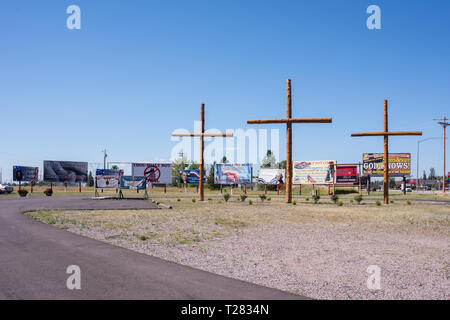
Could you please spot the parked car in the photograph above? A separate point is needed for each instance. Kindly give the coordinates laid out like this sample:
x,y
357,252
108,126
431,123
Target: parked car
x,y
5,189
408,189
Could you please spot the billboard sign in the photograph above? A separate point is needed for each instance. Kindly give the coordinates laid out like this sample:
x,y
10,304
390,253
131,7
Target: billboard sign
x,y
65,171
107,178
225,173
190,176
134,183
159,173
399,164
271,176
313,172
346,174
25,173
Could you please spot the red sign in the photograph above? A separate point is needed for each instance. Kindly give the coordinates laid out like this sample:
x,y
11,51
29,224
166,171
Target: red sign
x,y
346,174
152,173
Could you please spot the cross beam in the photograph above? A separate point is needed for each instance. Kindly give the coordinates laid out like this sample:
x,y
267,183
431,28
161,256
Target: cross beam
x,y
386,133
289,121
202,136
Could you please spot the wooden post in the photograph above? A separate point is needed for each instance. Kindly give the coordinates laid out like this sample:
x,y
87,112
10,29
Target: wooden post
x,y
359,179
245,189
31,186
265,189
79,187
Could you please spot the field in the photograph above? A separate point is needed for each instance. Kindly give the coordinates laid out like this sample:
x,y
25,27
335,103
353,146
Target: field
x,y
319,250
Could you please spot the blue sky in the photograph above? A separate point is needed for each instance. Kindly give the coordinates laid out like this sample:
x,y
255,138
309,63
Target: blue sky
x,y
137,70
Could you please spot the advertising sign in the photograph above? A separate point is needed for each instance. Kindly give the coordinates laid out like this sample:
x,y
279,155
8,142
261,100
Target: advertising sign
x,y
134,183
313,172
271,176
65,171
346,174
159,173
106,178
399,164
190,176
225,173
25,173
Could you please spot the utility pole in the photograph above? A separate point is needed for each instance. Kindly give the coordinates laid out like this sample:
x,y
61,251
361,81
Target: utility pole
x,y
104,159
443,122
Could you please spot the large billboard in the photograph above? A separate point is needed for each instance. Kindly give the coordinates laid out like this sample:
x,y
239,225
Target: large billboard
x,y
225,173
190,176
65,171
30,174
346,174
399,164
158,173
107,178
313,172
271,176
135,183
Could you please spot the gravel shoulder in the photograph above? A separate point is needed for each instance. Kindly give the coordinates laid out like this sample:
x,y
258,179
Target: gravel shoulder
x,y
317,250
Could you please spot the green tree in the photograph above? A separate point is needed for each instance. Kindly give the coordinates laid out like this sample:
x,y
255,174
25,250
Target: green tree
x,y
282,164
194,166
90,179
424,177
269,160
432,175
224,160
114,167
210,179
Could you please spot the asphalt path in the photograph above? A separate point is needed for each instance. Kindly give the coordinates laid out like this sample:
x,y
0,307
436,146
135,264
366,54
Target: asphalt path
x,y
34,258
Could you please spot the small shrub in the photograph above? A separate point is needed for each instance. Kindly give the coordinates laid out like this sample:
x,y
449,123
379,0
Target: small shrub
x,y
358,199
391,201
351,200
340,203
143,238
243,197
408,203
262,197
316,198
193,200
294,202
334,198
48,192
250,202
226,196
22,192
219,201
178,199
209,199
306,199
378,203
269,198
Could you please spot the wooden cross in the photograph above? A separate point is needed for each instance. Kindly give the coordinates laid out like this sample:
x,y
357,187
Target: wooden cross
x,y
289,121
386,134
202,136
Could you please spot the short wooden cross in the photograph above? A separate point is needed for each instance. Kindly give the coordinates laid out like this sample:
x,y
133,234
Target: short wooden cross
x,y
386,133
202,135
289,121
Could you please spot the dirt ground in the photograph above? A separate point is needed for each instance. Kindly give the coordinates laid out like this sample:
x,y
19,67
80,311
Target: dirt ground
x,y
319,250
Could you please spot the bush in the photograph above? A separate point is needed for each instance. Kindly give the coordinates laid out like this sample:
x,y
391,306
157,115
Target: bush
x,y
219,201
316,198
209,199
178,199
307,199
193,200
48,192
226,196
243,197
378,203
262,197
358,199
391,201
351,200
22,192
340,203
269,198
250,202
334,198
408,203
294,202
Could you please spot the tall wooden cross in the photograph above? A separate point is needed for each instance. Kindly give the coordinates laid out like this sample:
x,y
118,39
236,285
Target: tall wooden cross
x,y
289,121
202,135
386,134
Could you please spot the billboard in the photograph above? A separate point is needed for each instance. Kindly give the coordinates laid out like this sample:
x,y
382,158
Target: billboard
x,y
313,172
346,174
190,176
65,171
25,173
399,164
107,178
271,176
225,173
160,173
134,183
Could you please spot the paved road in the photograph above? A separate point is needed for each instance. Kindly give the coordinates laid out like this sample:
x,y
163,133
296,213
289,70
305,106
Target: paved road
x,y
34,257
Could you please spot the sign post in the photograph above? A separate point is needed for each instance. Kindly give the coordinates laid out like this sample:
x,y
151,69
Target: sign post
x,y
386,134
289,121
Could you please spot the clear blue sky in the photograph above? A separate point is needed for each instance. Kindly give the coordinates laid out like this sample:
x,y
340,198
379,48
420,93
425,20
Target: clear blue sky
x,y
137,70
